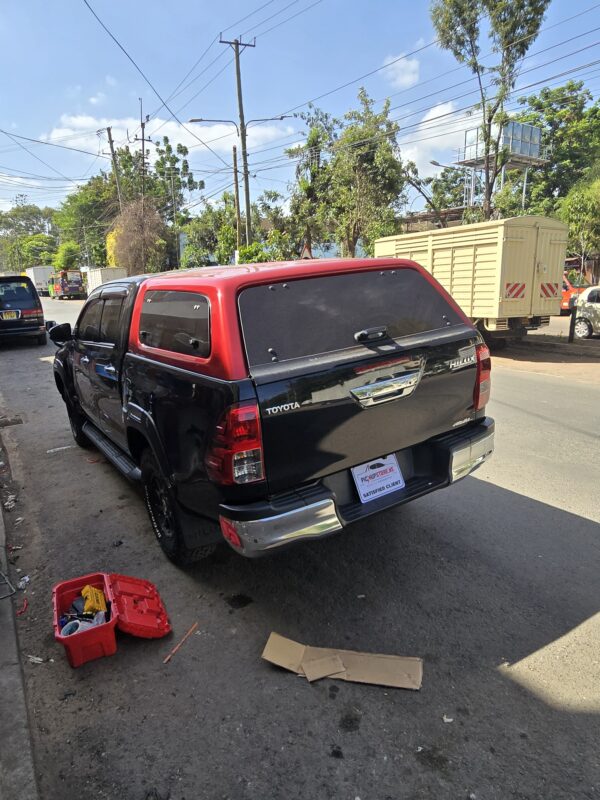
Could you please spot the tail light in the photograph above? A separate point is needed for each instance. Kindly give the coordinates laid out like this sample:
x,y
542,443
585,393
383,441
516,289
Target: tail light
x,y
31,312
481,393
235,455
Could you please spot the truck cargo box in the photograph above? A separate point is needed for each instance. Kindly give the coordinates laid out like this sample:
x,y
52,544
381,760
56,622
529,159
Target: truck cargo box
x,y
497,271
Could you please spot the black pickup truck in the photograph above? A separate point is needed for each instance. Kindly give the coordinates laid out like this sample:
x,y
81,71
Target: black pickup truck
x,y
270,404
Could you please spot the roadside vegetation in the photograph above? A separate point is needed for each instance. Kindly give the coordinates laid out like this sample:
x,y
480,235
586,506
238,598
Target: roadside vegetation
x,y
351,182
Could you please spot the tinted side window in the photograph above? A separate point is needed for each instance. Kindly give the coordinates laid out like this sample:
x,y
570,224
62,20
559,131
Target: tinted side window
x,y
111,314
88,327
594,297
177,321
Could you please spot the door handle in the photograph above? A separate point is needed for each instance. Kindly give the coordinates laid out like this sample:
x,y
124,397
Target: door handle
x,y
391,389
84,360
110,369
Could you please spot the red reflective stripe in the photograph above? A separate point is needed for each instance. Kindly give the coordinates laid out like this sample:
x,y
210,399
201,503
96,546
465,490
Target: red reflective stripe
x,y
549,290
514,291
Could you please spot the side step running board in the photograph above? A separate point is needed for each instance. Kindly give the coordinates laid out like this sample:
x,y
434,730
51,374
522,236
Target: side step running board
x,y
116,457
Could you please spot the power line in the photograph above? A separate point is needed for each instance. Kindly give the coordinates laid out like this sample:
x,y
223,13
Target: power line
x,y
284,161
447,72
176,93
150,84
269,18
33,155
288,19
48,143
361,77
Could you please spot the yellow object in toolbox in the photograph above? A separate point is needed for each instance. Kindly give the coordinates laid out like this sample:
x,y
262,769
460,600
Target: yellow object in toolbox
x,y
94,600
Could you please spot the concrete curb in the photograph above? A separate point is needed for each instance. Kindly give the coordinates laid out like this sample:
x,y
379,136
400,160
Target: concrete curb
x,y
17,774
575,349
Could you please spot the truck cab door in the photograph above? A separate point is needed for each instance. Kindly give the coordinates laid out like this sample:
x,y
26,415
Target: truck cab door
x,y
97,358
85,341
106,367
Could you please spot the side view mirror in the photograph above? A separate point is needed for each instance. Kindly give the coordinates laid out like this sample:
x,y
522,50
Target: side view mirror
x,y
50,324
61,333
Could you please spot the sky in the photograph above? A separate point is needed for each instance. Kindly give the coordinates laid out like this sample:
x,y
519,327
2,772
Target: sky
x,y
65,80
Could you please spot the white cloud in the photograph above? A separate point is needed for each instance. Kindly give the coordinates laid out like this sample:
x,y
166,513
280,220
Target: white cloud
x,y
402,73
220,137
437,138
97,99
110,81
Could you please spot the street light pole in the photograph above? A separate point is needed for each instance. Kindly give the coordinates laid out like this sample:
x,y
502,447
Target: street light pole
x,y
241,132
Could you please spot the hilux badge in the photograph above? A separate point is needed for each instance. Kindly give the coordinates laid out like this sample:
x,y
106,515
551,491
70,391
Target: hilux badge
x,y
462,361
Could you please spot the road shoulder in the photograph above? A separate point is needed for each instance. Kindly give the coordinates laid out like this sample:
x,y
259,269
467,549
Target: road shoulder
x,y
17,774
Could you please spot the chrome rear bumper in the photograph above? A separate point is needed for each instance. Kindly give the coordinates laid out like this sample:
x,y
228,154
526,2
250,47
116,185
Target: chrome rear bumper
x,y
256,529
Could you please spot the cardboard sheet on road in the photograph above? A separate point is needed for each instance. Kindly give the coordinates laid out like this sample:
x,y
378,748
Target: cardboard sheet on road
x,y
401,672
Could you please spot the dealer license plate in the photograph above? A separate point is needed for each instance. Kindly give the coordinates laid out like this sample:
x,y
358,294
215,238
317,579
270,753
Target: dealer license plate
x,y
9,315
378,477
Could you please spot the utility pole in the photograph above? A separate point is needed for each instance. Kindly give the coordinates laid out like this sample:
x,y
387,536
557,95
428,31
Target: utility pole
x,y
143,140
236,189
175,221
236,44
116,171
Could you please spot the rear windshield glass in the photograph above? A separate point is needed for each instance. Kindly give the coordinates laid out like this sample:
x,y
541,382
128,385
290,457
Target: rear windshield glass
x,y
17,293
176,321
318,315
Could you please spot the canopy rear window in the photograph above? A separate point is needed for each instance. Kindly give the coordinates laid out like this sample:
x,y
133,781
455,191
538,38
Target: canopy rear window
x,y
312,316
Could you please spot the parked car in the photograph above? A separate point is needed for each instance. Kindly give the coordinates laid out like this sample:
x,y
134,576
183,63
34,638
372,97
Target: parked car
x,y
587,317
271,404
571,289
21,312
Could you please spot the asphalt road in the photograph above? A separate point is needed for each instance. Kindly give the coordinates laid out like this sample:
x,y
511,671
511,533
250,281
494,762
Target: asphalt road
x,y
494,582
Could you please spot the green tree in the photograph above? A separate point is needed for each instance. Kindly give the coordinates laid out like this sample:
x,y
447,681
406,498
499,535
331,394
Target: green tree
x,y
255,253
202,232
580,209
278,246
448,188
171,178
571,126
308,203
512,28
87,214
39,248
67,256
226,242
18,227
367,177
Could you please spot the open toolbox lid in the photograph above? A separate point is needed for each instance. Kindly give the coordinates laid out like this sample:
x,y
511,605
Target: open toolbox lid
x,y
137,607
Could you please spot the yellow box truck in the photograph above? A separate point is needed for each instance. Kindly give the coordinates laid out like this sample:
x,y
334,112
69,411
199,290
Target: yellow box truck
x,y
505,274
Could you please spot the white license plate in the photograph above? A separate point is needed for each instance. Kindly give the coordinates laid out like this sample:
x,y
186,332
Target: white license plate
x,y
378,477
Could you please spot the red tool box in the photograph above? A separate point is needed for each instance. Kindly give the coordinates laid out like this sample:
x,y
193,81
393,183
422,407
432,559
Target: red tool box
x,y
135,608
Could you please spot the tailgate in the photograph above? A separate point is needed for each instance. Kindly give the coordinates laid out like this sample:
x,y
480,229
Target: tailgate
x,y
325,407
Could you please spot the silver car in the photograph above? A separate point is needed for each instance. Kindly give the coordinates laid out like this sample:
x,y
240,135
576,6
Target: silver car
x,y
587,320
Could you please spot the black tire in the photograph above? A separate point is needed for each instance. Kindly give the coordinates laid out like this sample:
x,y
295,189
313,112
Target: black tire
x,y
76,420
42,338
583,329
165,516
496,344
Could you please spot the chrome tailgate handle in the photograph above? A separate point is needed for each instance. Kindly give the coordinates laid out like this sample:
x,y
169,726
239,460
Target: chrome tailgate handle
x,y
390,389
